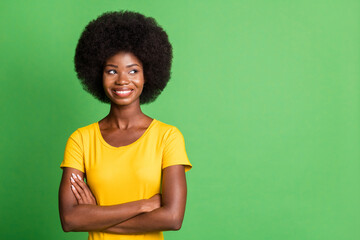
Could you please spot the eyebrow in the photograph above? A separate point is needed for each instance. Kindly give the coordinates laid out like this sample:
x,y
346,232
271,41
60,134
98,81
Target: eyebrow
x,y
115,66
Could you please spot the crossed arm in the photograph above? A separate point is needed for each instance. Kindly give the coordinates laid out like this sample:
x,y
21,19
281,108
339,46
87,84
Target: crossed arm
x,y
79,212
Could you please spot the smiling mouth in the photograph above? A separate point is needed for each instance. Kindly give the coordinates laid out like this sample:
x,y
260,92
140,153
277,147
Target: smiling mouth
x,y
124,93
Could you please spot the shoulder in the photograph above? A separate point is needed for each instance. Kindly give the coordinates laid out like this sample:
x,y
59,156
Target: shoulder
x,y
84,131
86,128
165,127
168,131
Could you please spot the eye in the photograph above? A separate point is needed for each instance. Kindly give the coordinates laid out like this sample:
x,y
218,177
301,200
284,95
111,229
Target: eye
x,y
112,71
133,71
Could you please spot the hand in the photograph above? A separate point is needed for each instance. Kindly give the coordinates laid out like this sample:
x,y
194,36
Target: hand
x,y
153,203
81,191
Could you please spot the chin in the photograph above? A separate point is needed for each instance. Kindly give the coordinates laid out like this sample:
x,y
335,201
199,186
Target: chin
x,y
124,102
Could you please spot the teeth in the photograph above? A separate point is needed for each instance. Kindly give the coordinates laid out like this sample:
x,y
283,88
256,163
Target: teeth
x,y
127,91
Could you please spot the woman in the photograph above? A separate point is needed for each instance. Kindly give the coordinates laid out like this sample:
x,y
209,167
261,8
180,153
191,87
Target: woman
x,y
127,158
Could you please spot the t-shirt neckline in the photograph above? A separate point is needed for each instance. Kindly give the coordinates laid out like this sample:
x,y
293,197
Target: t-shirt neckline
x,y
125,146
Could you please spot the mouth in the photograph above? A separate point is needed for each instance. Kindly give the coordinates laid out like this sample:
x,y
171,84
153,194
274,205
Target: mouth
x,y
123,93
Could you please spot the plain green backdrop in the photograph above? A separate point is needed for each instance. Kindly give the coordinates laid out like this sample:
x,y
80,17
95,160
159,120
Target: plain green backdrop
x,y
266,94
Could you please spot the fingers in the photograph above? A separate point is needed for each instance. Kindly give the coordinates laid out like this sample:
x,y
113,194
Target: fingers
x,y
77,195
81,197
84,193
78,191
82,185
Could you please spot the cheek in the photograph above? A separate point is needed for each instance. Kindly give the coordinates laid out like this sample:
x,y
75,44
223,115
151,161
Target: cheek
x,y
138,81
140,85
106,81
106,85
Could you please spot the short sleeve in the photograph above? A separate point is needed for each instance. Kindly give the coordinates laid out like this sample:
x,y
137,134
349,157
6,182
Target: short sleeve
x,y
174,150
74,153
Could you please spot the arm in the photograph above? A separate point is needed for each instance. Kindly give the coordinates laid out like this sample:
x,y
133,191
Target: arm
x,y
84,215
169,216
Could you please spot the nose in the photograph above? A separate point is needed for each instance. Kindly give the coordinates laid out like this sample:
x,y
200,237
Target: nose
x,y
122,79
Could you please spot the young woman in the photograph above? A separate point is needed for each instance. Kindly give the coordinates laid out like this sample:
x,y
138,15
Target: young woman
x,y
134,165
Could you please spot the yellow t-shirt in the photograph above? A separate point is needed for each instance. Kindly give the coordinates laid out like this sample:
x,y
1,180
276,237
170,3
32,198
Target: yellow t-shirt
x,y
117,175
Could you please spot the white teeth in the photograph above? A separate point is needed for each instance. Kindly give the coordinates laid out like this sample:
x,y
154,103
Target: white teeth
x,y
124,91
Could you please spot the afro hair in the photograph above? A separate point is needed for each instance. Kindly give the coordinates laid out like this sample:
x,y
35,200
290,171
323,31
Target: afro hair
x,y
127,31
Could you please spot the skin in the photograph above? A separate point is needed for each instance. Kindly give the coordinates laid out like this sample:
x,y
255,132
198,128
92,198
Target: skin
x,y
124,124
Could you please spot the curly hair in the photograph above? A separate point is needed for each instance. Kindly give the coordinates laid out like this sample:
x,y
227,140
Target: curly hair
x,y
117,31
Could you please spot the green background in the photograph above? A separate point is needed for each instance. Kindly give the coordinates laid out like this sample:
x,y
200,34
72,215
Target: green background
x,y
266,94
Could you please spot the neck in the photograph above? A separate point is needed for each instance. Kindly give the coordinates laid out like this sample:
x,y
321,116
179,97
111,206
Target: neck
x,y
124,117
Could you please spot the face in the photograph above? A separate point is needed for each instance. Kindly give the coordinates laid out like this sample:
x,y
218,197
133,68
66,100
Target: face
x,y
123,78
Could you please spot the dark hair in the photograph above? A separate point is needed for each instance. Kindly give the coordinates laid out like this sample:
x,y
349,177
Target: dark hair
x,y
127,31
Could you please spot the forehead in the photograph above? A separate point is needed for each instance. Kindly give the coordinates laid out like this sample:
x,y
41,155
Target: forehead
x,y
123,58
